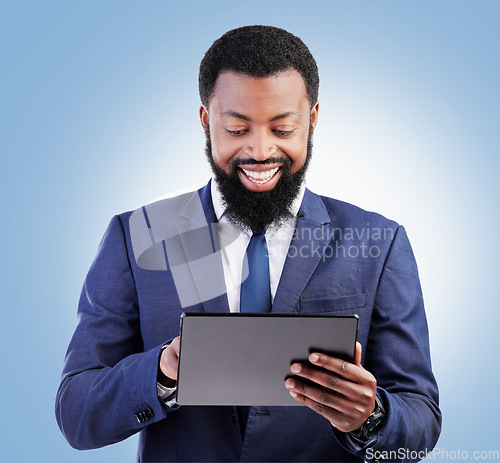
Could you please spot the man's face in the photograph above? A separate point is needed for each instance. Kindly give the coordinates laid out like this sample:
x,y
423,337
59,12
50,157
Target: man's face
x,y
258,142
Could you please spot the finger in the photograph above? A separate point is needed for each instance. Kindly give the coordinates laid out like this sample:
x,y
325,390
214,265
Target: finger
x,y
170,360
327,379
319,395
175,345
357,354
345,369
329,413
345,422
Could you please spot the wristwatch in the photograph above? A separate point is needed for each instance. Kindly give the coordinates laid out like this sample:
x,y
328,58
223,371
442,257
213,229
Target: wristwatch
x,y
374,422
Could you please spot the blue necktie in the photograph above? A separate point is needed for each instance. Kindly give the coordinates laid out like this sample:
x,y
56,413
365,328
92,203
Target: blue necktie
x,y
255,293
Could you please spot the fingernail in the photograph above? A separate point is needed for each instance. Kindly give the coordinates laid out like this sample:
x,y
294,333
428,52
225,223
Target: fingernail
x,y
290,383
296,368
314,358
293,394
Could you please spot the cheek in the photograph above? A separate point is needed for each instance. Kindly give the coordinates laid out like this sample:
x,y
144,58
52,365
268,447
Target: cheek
x,y
298,154
223,150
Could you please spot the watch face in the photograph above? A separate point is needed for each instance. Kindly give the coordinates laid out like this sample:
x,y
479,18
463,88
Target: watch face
x,y
374,422
374,426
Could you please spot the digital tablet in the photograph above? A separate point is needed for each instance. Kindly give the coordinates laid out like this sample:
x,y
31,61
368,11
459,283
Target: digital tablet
x,y
244,359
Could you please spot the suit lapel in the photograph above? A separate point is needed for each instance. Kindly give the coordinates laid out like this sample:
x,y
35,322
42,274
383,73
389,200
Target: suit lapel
x,y
310,238
203,274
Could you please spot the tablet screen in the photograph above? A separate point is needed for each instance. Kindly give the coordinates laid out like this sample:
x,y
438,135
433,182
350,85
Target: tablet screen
x,y
244,359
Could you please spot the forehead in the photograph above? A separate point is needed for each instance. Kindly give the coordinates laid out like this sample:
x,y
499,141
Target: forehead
x,y
283,92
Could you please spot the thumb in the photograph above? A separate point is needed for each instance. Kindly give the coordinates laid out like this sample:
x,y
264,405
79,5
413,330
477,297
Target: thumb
x,y
357,354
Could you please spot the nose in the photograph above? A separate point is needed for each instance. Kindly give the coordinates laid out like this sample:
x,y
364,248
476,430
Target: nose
x,y
261,146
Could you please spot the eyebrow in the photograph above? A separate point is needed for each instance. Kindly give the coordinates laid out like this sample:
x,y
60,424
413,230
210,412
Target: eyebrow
x,y
235,114
283,116
275,118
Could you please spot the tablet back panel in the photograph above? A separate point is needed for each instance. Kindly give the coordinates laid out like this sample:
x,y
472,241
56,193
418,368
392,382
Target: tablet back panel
x,y
244,359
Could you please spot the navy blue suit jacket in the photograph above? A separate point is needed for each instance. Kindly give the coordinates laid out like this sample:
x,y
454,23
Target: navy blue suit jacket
x,y
342,260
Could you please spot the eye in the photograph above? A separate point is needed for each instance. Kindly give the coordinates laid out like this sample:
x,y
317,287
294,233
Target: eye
x,y
283,133
236,132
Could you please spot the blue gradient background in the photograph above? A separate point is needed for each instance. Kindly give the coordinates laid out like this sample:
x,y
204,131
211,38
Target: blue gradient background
x,y
99,114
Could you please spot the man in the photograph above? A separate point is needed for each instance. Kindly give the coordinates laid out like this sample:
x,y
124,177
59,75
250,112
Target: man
x,y
259,89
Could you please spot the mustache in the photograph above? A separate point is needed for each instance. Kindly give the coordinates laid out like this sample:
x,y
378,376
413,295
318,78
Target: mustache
x,y
252,162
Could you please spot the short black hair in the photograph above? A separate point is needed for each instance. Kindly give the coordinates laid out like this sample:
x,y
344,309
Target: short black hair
x,y
257,51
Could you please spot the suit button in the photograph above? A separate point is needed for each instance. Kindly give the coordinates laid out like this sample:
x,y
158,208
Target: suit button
x,y
232,415
144,415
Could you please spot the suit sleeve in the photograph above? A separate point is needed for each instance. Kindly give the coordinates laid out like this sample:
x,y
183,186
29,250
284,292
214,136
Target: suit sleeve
x,y
108,387
398,355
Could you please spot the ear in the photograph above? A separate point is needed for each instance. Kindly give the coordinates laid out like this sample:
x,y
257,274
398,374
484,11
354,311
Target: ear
x,y
204,117
314,115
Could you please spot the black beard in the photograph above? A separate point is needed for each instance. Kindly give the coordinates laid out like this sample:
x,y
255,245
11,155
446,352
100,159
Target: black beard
x,y
261,209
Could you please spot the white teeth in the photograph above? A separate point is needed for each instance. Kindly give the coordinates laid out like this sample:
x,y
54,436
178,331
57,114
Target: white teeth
x,y
260,177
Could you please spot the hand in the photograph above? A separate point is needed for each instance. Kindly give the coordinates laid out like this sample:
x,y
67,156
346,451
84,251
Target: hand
x,y
344,393
169,360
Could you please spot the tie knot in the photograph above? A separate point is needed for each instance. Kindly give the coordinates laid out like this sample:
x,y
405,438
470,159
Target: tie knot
x,y
258,231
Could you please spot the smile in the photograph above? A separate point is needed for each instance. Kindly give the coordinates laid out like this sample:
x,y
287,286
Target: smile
x,y
260,177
